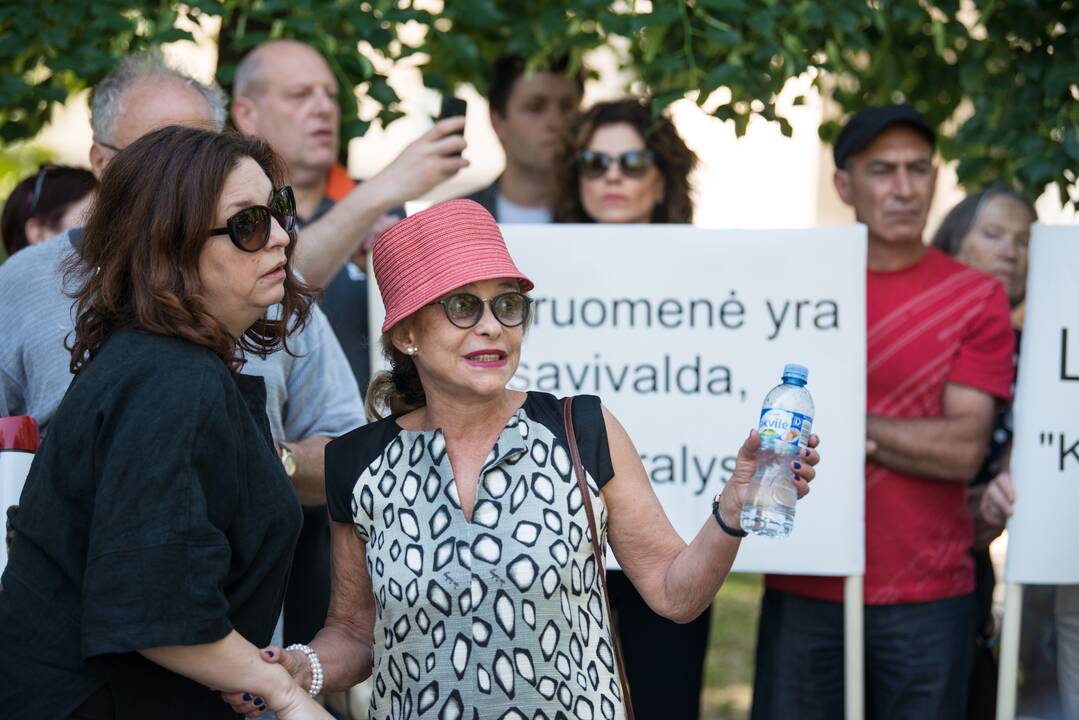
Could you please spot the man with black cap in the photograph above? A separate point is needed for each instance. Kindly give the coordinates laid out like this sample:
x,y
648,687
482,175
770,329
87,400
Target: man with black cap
x,y
939,359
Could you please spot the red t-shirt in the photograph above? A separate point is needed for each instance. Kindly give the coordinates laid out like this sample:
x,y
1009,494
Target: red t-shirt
x,y
928,325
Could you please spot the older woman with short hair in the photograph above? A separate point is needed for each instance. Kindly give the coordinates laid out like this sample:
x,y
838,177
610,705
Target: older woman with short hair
x,y
467,540
155,531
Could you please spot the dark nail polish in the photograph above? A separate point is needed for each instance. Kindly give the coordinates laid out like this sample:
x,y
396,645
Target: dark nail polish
x,y
270,653
258,701
797,466
247,697
806,453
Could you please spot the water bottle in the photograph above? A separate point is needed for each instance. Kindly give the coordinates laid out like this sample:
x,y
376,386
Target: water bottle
x,y
785,425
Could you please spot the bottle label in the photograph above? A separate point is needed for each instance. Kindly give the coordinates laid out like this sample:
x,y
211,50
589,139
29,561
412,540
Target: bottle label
x,y
780,428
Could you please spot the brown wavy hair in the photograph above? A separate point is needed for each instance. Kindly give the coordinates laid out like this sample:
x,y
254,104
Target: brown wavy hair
x,y
674,160
137,265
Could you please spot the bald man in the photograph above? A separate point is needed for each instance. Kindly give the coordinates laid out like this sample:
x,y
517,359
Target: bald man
x,y
285,93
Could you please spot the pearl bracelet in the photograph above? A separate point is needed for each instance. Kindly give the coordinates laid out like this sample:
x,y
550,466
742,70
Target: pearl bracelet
x,y
316,666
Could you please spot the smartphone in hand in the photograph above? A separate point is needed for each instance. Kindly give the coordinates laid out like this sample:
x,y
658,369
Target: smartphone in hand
x,y
452,107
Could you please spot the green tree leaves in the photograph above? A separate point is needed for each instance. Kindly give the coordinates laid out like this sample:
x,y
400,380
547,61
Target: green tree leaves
x,y
1001,78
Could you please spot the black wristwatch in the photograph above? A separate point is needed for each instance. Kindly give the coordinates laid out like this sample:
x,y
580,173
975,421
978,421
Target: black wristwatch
x,y
719,519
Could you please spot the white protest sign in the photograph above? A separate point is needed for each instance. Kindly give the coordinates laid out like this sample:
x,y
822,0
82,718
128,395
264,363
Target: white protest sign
x,y
682,331
1043,533
14,467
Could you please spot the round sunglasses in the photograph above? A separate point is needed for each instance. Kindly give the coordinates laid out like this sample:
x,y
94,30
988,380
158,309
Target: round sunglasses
x,y
464,310
249,229
634,163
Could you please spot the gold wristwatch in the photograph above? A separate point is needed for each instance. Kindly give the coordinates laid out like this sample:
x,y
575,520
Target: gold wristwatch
x,y
288,459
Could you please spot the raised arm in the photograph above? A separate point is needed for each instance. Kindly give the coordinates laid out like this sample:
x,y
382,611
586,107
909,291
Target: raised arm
x,y
950,447
677,580
326,244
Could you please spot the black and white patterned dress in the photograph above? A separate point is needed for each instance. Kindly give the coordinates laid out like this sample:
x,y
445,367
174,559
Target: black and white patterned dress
x,y
502,617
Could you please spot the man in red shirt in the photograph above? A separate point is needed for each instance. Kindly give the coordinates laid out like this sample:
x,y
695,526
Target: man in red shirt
x,y
939,360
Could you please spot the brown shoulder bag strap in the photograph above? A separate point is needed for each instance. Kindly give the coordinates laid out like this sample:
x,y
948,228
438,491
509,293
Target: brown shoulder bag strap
x,y
586,499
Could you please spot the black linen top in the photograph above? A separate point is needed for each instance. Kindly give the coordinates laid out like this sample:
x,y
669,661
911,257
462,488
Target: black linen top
x,y
155,513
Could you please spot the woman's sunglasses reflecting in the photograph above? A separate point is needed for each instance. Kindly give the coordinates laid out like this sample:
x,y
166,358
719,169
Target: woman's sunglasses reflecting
x,y
249,229
634,163
465,309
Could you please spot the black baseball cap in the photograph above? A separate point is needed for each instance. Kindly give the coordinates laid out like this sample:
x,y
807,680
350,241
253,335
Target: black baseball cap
x,y
870,122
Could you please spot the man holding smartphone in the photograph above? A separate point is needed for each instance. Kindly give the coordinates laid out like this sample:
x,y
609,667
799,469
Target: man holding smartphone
x,y
529,113
285,94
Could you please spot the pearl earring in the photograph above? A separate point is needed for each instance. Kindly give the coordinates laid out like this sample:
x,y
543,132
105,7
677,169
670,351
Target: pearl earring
x,y
411,350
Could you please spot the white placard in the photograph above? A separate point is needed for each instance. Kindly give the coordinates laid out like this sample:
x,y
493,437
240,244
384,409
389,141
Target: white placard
x,y
682,331
1043,533
14,467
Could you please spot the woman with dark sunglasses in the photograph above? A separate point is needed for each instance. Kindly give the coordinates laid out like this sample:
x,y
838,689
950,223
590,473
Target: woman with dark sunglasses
x,y
156,527
622,164
465,575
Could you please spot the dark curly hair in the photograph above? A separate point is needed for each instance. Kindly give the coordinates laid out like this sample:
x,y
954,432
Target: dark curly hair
x,y
138,262
674,160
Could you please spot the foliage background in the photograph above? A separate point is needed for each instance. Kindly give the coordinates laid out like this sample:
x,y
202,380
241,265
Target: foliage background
x,y
1000,76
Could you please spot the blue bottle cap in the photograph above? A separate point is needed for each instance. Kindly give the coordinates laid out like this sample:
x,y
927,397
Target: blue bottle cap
x,y
798,372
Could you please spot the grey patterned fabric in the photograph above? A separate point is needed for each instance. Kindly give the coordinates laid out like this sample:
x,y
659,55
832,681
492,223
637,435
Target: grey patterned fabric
x,y
502,617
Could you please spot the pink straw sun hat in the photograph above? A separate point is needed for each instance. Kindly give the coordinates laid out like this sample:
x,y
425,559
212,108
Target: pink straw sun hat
x,y
436,251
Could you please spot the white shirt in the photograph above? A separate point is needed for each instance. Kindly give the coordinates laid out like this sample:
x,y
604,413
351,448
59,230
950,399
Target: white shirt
x,y
510,213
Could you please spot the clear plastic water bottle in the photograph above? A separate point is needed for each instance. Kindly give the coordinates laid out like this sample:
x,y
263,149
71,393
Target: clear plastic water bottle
x,y
785,425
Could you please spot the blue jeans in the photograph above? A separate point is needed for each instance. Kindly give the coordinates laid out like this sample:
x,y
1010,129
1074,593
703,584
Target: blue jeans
x,y
917,659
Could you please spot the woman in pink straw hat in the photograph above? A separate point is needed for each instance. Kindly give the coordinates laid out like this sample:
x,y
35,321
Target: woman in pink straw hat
x,y
469,523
